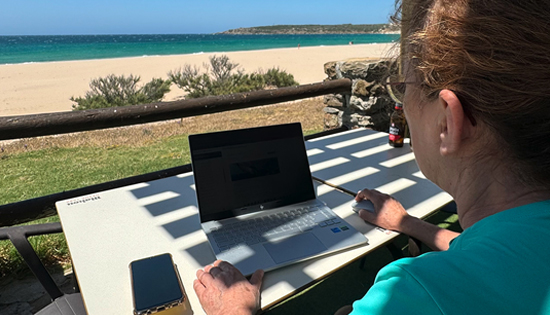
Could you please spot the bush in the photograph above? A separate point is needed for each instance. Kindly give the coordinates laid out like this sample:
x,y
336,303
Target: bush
x,y
279,78
113,91
223,77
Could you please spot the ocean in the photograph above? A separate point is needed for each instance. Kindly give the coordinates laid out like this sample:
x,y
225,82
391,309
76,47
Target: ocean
x,y
28,49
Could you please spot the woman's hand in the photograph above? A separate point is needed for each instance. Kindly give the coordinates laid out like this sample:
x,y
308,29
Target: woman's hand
x,y
222,289
388,214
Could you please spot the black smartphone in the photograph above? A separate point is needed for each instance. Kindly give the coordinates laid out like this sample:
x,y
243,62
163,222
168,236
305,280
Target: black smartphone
x,y
156,284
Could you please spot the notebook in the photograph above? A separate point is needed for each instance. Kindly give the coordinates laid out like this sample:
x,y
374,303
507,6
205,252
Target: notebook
x,y
256,199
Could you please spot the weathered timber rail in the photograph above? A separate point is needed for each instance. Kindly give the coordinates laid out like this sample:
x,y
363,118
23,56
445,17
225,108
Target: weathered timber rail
x,y
16,127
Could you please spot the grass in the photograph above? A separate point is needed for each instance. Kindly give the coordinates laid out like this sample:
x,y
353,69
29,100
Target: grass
x,y
45,165
47,171
52,250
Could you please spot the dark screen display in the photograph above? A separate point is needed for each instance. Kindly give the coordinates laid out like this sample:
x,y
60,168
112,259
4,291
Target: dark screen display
x,y
243,171
154,282
251,169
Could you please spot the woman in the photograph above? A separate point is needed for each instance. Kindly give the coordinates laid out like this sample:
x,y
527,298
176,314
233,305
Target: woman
x,y
477,101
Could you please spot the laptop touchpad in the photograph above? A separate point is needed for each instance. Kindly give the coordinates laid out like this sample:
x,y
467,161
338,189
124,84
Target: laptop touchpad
x,y
293,248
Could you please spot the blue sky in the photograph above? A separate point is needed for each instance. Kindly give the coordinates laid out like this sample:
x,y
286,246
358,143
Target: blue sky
x,y
67,17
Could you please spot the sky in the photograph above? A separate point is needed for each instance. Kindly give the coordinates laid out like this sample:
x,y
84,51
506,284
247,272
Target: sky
x,y
80,17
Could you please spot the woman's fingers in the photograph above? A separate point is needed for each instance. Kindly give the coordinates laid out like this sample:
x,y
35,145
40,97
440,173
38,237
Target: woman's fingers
x,y
215,271
256,279
204,276
371,194
367,215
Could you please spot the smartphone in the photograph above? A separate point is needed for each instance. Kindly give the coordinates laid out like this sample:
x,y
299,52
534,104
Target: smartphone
x,y
156,284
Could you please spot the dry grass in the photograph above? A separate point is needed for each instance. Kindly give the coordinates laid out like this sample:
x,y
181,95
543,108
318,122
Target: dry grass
x,y
309,112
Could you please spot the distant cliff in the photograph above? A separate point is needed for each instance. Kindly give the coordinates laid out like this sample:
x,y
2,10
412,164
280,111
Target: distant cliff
x,y
318,29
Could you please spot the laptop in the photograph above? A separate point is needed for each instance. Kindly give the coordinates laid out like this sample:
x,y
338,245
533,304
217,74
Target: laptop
x,y
256,199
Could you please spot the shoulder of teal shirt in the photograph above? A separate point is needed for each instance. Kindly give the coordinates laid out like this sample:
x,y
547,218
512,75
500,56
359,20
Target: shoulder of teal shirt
x,y
396,291
486,268
531,217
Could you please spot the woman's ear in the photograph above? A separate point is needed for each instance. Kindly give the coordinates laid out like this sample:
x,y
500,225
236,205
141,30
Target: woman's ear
x,y
454,126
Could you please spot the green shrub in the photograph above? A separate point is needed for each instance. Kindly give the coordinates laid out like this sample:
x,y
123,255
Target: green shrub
x,y
279,78
113,91
223,77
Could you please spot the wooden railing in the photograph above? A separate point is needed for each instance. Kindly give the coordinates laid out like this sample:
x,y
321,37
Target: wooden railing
x,y
16,127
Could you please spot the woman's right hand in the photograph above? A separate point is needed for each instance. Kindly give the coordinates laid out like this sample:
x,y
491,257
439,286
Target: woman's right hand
x,y
388,214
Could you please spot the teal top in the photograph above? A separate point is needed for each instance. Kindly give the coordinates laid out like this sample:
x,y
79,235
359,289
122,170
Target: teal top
x,y
500,265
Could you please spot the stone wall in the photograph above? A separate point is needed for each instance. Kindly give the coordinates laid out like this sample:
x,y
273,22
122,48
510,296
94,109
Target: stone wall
x,y
367,104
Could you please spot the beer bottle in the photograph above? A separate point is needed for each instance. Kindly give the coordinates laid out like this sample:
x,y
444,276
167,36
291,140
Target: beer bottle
x,y
397,126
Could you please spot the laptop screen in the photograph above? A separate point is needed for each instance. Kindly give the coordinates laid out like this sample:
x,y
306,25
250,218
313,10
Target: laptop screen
x,y
243,171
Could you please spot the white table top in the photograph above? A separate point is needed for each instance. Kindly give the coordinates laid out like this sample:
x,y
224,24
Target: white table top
x,y
362,158
108,230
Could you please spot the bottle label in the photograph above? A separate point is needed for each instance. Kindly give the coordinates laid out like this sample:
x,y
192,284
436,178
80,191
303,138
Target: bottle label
x,y
394,131
395,137
395,134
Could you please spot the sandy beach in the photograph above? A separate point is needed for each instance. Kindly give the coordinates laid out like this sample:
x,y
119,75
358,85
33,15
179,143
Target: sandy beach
x,y
46,87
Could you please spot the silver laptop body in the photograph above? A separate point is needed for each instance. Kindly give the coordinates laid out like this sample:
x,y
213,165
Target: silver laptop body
x,y
257,202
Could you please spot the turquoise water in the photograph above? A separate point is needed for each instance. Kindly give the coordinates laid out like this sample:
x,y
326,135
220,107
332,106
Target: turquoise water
x,y
24,49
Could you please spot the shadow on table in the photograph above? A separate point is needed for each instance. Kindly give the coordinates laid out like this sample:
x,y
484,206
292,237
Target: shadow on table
x,y
179,198
358,159
175,198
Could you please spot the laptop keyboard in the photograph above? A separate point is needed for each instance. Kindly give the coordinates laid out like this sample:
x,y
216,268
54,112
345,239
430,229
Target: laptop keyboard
x,y
272,227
